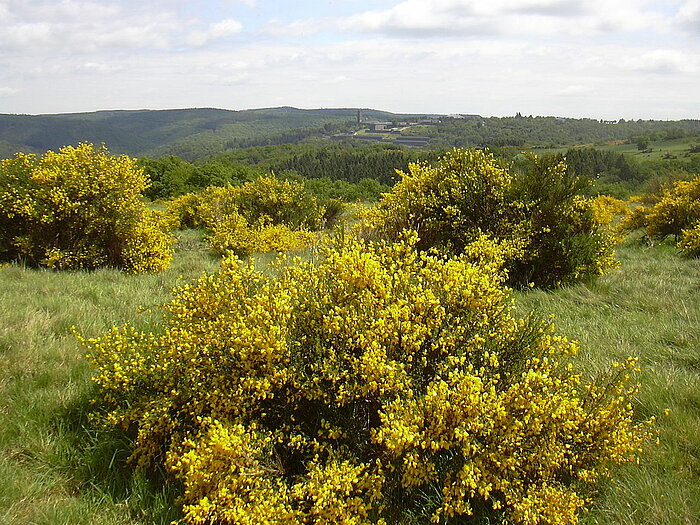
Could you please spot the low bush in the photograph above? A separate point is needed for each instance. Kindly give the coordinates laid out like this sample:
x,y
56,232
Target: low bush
x,y
675,212
607,209
234,235
79,208
532,207
183,211
263,215
378,384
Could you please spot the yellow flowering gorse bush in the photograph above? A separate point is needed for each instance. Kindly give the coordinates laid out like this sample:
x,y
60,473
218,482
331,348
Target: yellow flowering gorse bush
x,y
77,208
373,384
263,215
690,242
675,212
532,209
606,209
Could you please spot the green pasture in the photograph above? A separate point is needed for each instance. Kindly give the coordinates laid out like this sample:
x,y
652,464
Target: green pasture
x,y
658,149
56,467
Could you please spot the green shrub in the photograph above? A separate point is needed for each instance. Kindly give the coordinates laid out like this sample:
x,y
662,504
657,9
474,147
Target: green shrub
x,y
548,232
565,237
79,208
374,385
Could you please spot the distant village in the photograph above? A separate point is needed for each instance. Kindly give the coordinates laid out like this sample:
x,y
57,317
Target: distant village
x,y
392,132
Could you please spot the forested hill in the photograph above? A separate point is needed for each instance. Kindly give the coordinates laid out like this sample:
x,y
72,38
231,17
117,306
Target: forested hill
x,y
193,134
188,133
550,132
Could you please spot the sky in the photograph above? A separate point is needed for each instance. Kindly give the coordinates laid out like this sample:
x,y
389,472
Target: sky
x,y
603,59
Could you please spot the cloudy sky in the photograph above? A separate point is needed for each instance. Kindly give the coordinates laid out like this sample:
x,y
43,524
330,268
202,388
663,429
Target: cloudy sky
x,y
595,58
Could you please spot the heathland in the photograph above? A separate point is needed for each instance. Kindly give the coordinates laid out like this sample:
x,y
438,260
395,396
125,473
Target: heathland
x,y
410,374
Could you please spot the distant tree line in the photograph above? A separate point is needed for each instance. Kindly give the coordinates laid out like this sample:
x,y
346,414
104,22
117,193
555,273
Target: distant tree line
x,y
347,175
171,176
520,131
351,172
353,165
620,175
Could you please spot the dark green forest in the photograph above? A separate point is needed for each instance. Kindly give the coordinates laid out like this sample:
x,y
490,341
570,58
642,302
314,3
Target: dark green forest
x,y
186,150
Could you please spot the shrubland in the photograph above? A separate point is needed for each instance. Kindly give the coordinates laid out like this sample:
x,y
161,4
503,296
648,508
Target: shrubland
x,y
263,215
674,212
377,381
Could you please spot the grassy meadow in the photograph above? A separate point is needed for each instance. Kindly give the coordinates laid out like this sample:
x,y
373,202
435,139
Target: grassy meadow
x,y
657,150
57,468
649,308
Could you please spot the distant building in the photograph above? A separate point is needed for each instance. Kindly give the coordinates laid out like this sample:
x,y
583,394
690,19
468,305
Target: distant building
x,y
379,126
412,140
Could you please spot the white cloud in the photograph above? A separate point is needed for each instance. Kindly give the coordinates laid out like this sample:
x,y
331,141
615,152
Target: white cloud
x,y
216,31
86,26
439,18
25,35
225,28
97,67
295,28
688,16
574,90
662,61
419,18
7,91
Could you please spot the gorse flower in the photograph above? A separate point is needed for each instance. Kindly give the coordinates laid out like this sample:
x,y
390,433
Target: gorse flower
x,y
675,212
375,383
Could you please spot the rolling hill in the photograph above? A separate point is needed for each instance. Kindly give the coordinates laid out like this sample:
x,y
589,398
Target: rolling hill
x,y
189,133
193,134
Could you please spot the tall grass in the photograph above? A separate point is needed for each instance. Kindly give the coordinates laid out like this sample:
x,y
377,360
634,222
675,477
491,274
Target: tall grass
x,y
56,467
650,308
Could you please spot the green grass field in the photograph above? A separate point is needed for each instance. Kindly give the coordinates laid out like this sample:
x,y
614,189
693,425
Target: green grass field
x,y
56,468
659,149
